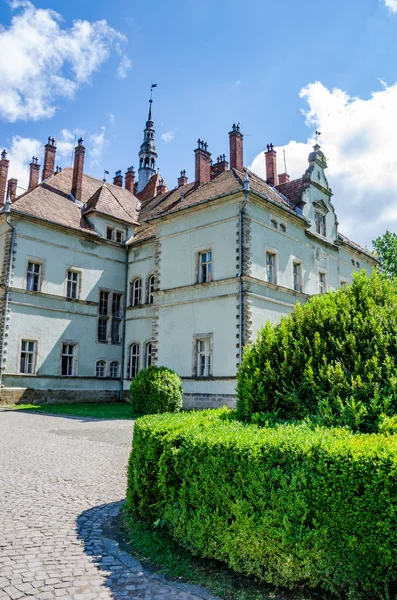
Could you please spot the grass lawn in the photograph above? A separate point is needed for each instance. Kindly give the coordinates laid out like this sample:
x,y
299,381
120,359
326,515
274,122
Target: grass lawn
x,y
121,410
156,550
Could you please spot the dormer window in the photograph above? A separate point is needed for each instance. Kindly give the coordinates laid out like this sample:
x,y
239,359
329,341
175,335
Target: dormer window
x,y
321,223
115,235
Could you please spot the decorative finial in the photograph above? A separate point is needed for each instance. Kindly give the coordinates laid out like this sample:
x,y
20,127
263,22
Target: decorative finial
x,y
318,133
4,154
105,172
154,85
117,174
80,141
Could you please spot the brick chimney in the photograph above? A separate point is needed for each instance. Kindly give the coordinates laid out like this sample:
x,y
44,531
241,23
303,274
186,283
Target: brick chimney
x,y
236,148
118,179
34,173
78,170
4,164
12,188
203,163
49,159
271,165
182,180
283,178
161,187
130,179
220,166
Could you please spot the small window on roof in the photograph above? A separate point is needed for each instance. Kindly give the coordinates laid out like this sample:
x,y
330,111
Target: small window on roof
x,y
274,223
283,227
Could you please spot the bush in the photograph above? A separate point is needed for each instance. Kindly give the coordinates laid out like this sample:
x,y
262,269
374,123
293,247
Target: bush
x,y
333,360
156,390
291,505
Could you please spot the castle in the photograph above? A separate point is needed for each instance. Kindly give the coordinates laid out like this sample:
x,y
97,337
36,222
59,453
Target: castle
x,y
100,280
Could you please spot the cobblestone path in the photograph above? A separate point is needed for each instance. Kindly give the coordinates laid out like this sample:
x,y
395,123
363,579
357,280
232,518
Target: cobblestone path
x,y
61,481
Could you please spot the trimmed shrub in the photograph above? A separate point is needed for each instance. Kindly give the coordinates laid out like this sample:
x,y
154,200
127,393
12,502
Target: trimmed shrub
x,y
291,505
156,390
333,360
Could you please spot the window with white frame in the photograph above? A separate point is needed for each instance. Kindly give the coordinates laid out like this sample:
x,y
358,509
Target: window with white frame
x,y
72,284
68,358
297,275
322,283
115,235
28,357
103,316
205,266
33,276
148,354
100,368
271,274
344,283
150,289
136,292
114,369
320,223
204,358
133,361
116,317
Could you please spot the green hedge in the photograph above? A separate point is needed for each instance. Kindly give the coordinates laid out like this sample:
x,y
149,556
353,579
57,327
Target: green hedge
x,y
333,360
291,505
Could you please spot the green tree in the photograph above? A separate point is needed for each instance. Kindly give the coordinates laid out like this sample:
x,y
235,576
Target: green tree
x,y
333,360
385,247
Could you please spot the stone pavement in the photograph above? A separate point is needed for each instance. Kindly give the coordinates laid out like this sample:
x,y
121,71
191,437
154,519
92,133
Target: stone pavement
x,y
62,480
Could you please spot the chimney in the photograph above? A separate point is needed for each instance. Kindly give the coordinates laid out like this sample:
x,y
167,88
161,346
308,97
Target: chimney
x,y
161,187
130,179
78,169
182,180
283,178
203,164
34,173
4,164
271,165
236,148
220,166
49,159
118,179
12,188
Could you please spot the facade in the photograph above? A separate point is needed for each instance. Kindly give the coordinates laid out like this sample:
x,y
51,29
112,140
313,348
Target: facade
x,y
100,280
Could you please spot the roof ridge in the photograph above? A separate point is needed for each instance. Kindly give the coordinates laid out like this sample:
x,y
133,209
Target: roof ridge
x,y
119,203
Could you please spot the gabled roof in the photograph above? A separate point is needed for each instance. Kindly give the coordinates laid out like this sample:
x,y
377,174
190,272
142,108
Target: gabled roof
x,y
115,202
150,189
51,200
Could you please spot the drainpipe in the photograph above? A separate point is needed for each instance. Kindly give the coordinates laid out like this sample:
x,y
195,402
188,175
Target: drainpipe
x,y
7,210
121,392
246,191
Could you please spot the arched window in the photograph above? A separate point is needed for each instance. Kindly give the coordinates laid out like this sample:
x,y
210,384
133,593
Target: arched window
x,y
100,368
114,369
147,161
136,291
150,289
152,161
148,354
133,361
141,163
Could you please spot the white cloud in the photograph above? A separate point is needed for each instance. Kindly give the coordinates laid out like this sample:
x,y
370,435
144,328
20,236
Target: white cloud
x,y
20,155
111,118
167,136
96,146
358,138
391,5
46,60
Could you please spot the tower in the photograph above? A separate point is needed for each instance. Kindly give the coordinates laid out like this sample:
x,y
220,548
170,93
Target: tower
x,y
147,153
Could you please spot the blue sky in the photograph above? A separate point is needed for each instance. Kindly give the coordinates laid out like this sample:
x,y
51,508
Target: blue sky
x,y
215,63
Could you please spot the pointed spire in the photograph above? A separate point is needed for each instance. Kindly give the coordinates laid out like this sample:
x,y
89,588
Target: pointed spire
x,y
147,153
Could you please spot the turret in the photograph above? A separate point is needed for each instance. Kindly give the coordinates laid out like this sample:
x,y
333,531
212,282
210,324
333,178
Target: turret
x,y
147,153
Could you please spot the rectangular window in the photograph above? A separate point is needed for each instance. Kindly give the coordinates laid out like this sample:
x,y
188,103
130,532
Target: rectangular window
x,y
204,357
72,286
115,235
103,303
297,274
116,318
33,277
67,360
321,223
205,266
133,361
28,357
322,283
102,330
271,267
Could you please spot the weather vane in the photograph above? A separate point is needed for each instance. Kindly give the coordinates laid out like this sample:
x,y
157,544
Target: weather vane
x,y
317,134
151,90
